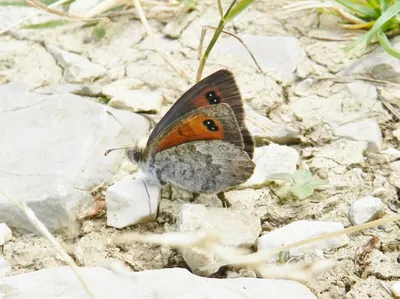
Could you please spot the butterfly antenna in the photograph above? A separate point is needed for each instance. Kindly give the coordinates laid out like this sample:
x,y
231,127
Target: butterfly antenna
x,y
116,149
122,126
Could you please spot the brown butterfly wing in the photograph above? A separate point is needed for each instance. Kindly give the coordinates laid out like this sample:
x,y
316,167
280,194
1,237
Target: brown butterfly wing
x,y
216,122
219,87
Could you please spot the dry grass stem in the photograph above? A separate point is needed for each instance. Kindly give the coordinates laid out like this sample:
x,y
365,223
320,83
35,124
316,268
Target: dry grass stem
x,y
39,5
56,245
203,33
165,56
55,4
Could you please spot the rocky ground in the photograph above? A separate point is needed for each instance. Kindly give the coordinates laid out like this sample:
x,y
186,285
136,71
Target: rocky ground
x,y
314,108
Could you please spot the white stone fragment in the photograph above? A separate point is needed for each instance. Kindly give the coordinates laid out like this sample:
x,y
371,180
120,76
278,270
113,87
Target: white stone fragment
x,y
166,283
301,230
81,7
366,209
272,159
396,289
131,202
262,127
5,267
279,53
53,153
125,94
365,130
236,228
77,68
5,233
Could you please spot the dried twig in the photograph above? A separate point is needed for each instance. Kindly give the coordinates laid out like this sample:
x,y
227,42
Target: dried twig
x,y
203,33
55,4
56,245
39,5
166,57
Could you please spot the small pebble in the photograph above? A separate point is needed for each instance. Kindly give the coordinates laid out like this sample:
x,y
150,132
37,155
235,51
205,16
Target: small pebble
x,y
366,209
5,233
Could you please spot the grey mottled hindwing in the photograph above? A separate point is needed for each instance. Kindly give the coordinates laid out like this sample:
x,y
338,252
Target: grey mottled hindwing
x,y
203,166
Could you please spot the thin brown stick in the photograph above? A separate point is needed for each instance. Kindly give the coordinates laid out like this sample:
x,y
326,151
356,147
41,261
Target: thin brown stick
x,y
56,245
165,56
389,106
55,4
39,5
233,35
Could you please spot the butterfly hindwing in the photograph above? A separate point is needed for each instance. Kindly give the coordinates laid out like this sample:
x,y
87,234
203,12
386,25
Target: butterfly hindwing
x,y
203,166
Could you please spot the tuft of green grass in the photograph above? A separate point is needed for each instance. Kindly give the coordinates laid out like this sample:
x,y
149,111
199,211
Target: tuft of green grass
x,y
301,184
380,18
46,25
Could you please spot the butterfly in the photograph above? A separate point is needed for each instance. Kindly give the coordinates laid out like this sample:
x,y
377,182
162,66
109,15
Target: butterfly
x,y
202,143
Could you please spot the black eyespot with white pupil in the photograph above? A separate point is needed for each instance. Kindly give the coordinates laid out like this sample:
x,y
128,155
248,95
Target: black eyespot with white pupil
x,y
213,98
210,125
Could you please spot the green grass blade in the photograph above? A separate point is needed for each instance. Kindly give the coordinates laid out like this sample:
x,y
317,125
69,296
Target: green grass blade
x,y
238,9
386,16
365,39
46,25
14,3
374,4
360,8
385,43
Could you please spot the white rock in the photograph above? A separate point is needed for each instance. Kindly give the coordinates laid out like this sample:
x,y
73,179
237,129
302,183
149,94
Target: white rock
x,y
77,68
53,153
272,159
5,233
301,230
5,267
78,89
262,127
236,228
396,289
279,53
26,61
365,130
125,95
167,283
381,64
340,152
174,28
80,7
131,201
365,209
396,133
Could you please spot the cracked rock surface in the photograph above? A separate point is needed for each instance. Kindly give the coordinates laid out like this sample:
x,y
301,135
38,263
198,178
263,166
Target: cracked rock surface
x,y
66,97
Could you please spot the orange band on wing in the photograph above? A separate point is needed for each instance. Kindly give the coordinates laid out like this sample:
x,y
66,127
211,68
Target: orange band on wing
x,y
192,129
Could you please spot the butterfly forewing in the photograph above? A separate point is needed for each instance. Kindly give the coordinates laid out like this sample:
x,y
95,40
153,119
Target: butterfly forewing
x,y
218,88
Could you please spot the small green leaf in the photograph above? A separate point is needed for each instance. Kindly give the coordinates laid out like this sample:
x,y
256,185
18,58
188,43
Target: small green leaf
x,y
99,32
318,182
103,100
302,191
302,177
46,25
384,42
360,8
238,9
282,177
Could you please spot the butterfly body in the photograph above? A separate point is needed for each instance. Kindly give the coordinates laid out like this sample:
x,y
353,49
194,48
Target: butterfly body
x,y
202,143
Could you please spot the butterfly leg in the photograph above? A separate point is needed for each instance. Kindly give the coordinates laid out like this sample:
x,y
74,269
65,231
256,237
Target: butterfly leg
x,y
224,200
